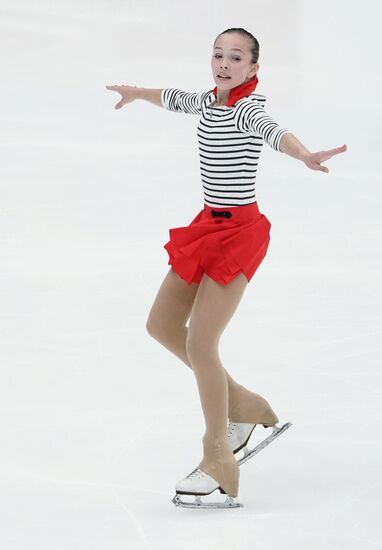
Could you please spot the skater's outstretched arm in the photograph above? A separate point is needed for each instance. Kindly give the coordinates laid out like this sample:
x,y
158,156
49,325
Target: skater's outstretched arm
x,y
290,145
252,117
130,93
171,99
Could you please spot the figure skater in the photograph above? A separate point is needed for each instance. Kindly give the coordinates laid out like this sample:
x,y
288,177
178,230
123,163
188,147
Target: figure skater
x,y
214,257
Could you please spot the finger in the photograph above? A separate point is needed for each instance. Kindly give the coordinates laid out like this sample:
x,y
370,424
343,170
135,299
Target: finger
x,y
322,168
317,166
326,155
341,149
337,150
115,87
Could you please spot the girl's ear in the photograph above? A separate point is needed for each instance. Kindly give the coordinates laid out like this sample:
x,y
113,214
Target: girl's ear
x,y
253,71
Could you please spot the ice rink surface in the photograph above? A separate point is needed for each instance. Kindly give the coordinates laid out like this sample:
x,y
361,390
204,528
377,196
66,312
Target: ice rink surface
x,y
98,420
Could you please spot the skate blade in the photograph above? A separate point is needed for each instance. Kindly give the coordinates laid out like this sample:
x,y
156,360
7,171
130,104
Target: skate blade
x,y
275,433
199,503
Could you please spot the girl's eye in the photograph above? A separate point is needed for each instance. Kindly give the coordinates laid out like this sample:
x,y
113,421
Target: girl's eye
x,y
235,58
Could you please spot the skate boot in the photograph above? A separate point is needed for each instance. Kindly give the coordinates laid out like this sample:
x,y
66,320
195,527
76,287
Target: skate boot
x,y
217,471
246,410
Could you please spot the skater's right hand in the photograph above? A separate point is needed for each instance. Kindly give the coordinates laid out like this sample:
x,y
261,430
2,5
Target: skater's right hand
x,y
128,93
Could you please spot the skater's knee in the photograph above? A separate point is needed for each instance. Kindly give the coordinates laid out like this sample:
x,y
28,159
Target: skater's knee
x,y
148,327
162,333
154,330
199,348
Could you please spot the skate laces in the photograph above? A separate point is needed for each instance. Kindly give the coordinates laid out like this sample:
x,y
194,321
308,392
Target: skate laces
x,y
195,474
231,428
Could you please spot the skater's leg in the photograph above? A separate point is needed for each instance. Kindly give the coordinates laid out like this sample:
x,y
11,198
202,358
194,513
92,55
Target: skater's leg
x,y
213,308
168,317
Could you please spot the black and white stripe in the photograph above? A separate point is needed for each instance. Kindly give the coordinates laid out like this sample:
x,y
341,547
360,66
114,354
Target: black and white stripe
x,y
230,142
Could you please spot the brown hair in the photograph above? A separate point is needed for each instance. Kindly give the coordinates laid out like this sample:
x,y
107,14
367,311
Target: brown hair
x,y
255,48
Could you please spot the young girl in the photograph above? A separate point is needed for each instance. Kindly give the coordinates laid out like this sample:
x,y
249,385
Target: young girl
x,y
214,257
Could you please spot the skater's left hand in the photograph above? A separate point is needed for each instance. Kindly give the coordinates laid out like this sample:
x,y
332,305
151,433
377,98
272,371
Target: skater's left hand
x,y
313,160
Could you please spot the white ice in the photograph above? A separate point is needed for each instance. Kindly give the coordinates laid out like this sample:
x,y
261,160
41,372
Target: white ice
x,y
98,420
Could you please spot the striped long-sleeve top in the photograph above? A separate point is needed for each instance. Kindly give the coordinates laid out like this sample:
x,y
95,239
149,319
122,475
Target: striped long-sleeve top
x,y
230,142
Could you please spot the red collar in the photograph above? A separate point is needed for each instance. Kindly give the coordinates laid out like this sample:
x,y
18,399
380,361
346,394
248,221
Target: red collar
x,y
240,91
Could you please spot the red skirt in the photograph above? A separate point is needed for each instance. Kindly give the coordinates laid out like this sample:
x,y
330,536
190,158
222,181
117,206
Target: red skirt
x,y
222,242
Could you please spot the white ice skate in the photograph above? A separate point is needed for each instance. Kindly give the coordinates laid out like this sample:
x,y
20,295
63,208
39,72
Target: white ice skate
x,y
239,434
198,484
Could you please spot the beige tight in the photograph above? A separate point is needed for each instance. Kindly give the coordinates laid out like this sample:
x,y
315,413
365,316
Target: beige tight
x,y
209,307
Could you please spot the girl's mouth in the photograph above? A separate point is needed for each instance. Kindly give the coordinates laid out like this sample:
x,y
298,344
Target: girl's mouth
x,y
224,77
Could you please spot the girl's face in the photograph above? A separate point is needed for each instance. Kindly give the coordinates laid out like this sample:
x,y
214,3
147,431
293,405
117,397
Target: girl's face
x,y
231,56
